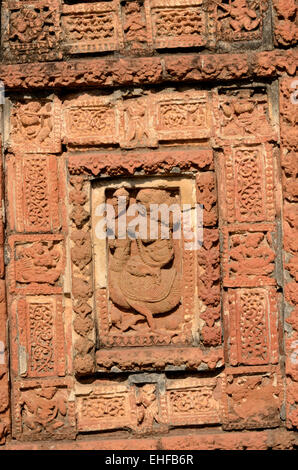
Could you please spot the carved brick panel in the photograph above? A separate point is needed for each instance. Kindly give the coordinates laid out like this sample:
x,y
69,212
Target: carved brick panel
x,y
251,325
181,23
244,114
43,409
240,20
37,337
183,116
35,125
148,403
42,30
142,119
37,264
90,120
253,397
90,27
285,22
136,31
249,255
31,30
126,320
247,179
34,193
194,401
82,275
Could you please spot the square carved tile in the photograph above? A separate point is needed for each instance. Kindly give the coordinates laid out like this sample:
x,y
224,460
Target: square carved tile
x,y
90,27
37,264
31,30
35,125
249,255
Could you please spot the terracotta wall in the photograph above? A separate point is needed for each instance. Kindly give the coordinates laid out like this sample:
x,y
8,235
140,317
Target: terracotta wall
x,y
121,344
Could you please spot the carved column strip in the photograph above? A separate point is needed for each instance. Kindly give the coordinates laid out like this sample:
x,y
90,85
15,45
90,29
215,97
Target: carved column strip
x,y
248,194
37,274
4,348
289,163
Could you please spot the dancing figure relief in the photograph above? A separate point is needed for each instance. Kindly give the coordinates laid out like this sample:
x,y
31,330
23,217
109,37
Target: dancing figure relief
x,y
143,275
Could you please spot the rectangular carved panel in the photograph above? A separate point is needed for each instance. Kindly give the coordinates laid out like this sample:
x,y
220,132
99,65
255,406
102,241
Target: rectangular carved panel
x,y
109,276
249,255
90,27
135,276
148,403
253,397
136,120
247,178
103,407
43,409
240,20
245,114
31,30
178,23
38,337
194,401
183,116
251,326
90,121
33,193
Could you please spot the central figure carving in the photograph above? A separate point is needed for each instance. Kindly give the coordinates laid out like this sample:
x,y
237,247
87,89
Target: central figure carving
x,y
144,278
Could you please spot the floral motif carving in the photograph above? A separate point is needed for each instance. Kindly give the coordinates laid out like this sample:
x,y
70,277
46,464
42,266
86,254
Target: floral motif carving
x,y
38,337
41,332
248,183
149,406
123,164
251,316
90,120
36,193
103,407
194,401
82,291
150,70
209,261
182,115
